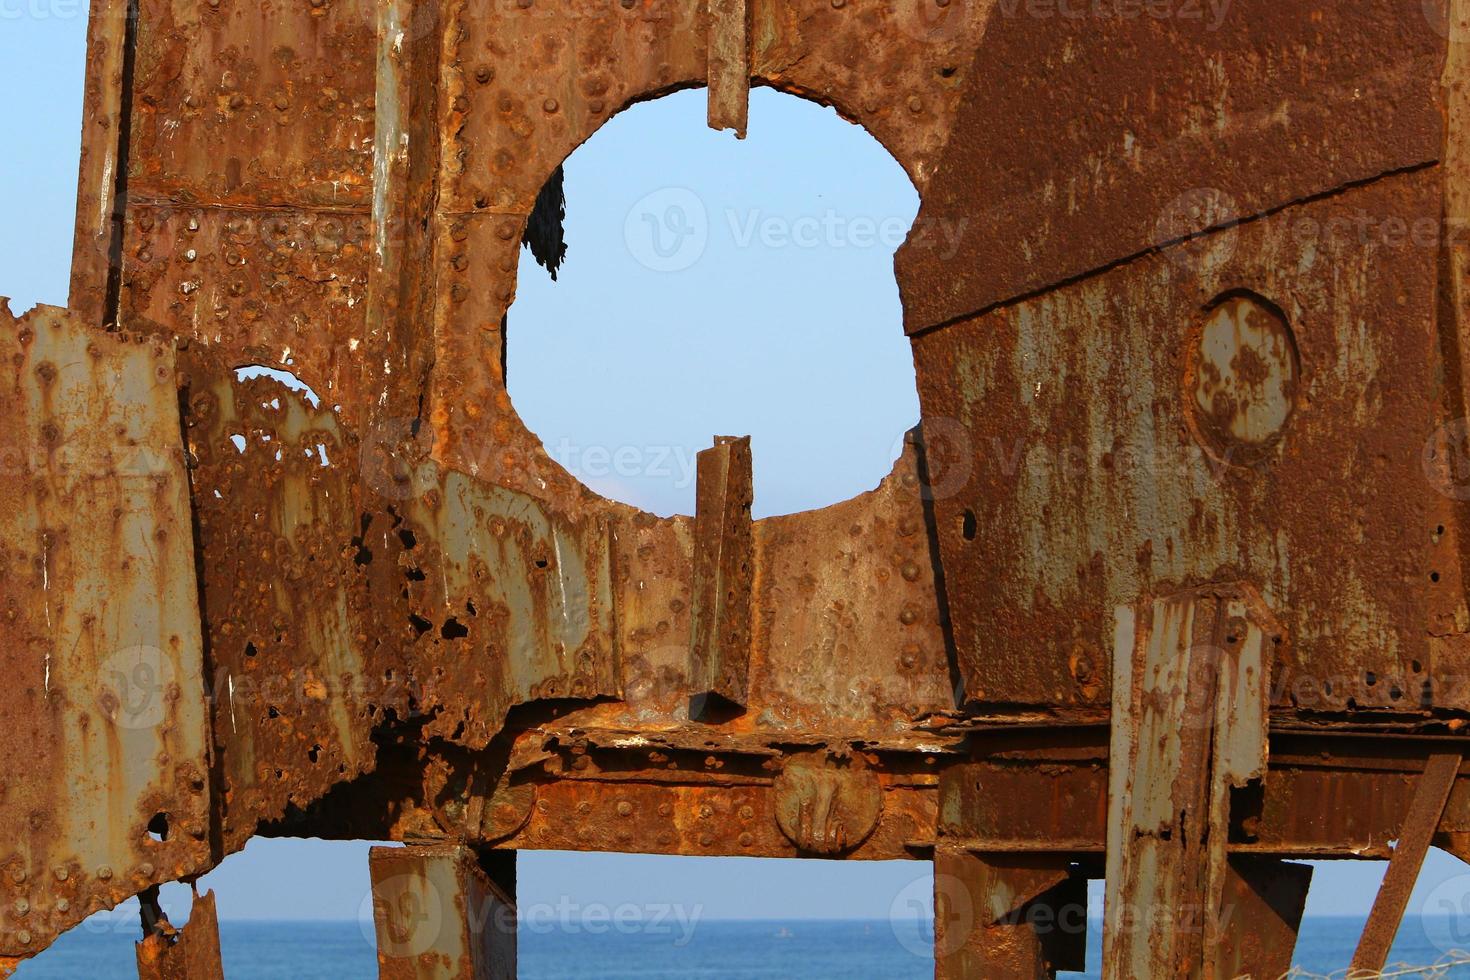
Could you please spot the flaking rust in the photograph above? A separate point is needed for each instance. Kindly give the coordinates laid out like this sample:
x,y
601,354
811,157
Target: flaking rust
x,y
280,558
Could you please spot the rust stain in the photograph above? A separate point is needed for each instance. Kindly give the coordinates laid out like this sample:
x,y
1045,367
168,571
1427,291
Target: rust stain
x,y
1168,334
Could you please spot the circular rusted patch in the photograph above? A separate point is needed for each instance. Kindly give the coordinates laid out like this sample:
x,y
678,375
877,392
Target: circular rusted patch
x,y
827,809
1242,379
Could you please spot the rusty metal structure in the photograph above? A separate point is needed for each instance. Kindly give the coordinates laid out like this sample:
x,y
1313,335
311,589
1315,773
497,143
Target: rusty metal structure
x,y
1169,586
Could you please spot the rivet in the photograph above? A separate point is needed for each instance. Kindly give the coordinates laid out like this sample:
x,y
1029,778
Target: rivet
x,y
910,571
747,813
190,255
747,839
193,224
551,105
237,101
62,905
629,4
523,4
910,657
145,869
625,809
483,74
283,102
23,937
908,617
506,231
839,4
916,104
941,3
706,839
18,875
22,907
61,874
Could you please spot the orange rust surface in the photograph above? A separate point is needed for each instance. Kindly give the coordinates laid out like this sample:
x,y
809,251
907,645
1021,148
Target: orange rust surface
x,y
413,624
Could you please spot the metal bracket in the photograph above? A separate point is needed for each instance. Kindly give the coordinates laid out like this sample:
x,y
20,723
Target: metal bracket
x,y
729,65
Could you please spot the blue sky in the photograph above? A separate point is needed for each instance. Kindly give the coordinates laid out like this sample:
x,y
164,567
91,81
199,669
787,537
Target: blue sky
x,y
712,287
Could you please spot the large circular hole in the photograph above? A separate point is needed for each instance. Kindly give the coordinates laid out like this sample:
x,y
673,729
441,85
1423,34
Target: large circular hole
x,y
721,287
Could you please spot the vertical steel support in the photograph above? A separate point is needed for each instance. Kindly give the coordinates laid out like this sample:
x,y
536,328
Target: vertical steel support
x,y
724,566
191,953
102,175
1006,917
441,914
1190,680
729,65
1430,797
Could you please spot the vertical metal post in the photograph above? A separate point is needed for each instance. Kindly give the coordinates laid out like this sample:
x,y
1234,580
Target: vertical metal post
x,y
724,571
729,65
439,914
1190,681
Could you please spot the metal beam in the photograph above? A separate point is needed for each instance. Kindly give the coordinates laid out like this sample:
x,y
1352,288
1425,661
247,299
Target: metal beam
x,y
1408,857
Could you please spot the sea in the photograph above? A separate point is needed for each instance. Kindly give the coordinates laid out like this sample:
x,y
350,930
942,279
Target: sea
x,y
712,950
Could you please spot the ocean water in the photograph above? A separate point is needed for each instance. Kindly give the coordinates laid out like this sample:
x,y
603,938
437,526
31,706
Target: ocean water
x,y
811,950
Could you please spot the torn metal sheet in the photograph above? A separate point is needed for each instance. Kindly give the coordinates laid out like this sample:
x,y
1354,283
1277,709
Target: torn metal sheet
x,y
188,953
106,774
